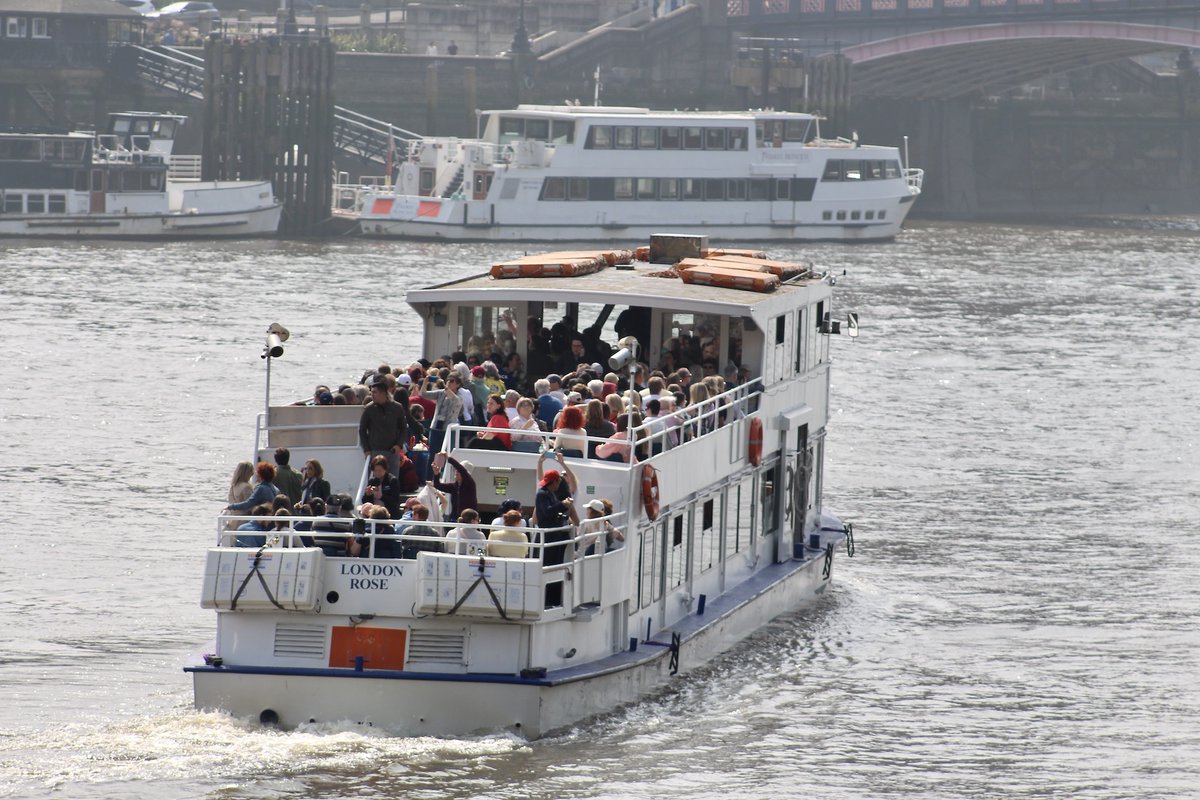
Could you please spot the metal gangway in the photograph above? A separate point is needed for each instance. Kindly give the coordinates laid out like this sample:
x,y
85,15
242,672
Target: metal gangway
x,y
357,134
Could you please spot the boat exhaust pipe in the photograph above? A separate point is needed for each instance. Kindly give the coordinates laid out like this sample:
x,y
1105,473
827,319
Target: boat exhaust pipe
x,y
268,718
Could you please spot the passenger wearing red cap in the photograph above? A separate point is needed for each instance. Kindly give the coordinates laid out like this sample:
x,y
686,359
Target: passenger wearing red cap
x,y
554,508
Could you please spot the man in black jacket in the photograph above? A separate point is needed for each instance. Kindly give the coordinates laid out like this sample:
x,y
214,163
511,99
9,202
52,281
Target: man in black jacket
x,y
383,426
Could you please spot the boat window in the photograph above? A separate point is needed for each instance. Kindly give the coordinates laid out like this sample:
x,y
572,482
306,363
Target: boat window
x,y
16,27
577,188
74,151
81,180
670,138
623,188
770,133
891,169
739,514
714,138
738,138
52,150
798,345
511,129
833,170
868,215
562,131
21,149
714,189
795,130
690,189
783,189
736,332
841,215
768,479
121,125
647,138
820,342
826,215
852,171
668,188
554,189
709,553
601,188
483,330
759,188
154,181
537,129
881,214
693,138
854,215
647,188
736,189
803,188
41,29
165,129
141,126
875,169
677,552
686,336
780,329
13,203
35,203
600,137
625,137
646,562
57,204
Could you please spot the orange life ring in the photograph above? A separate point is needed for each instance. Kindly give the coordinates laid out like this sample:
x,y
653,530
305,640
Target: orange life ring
x,y
754,452
650,491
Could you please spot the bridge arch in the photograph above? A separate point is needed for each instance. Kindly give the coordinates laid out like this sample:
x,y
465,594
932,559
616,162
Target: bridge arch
x,y
953,62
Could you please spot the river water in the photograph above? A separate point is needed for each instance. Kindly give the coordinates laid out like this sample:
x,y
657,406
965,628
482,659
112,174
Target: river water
x,y
1012,436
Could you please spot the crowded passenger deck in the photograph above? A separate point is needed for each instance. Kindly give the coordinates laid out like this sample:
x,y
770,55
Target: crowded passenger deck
x,y
598,437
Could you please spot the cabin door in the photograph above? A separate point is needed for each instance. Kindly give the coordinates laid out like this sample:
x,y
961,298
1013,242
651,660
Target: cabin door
x,y
783,207
97,203
797,485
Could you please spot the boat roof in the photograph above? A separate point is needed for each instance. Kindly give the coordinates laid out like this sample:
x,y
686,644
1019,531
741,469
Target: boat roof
x,y
635,111
622,286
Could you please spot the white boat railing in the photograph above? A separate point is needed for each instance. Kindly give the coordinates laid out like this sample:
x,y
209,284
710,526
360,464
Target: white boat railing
x,y
915,178
185,168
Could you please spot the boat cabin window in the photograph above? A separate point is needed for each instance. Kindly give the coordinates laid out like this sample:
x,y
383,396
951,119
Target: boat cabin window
x,y
35,203
646,189
577,189
562,131
41,29
690,340
670,138
57,204
774,132
647,138
714,138
537,129
24,149
668,188
691,189
484,330
693,138
554,189
14,203
623,189
16,27
625,137
511,129
600,137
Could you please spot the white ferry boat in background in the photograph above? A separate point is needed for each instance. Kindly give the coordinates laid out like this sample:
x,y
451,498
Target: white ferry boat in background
x,y
577,173
722,532
123,183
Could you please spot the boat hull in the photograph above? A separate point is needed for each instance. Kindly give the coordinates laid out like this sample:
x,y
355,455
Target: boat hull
x,y
231,224
417,704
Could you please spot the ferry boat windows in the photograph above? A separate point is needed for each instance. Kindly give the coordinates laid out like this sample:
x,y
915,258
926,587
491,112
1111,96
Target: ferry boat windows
x,y
647,138
35,203
714,189
623,188
668,189
869,215
736,189
601,189
708,554
600,137
425,181
23,149
14,203
881,215
481,185
891,169
874,170
780,329
841,215
625,137
760,188
562,131
57,204
670,138
798,345
693,138
783,190
537,129
554,189
647,189
768,480
855,215
677,551
796,130
738,139
690,189
714,138
827,215
577,188
511,129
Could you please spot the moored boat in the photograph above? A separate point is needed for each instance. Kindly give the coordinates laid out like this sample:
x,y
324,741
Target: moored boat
x,y
125,183
567,173
716,527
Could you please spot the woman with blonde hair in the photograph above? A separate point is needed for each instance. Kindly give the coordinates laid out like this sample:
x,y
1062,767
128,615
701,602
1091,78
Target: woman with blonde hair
x,y
239,488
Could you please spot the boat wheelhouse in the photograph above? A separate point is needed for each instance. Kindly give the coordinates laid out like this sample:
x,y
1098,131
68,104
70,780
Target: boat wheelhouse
x,y
125,182
723,525
561,173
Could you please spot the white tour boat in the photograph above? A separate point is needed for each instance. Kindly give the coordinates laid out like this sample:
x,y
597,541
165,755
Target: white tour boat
x,y
722,519
123,183
577,173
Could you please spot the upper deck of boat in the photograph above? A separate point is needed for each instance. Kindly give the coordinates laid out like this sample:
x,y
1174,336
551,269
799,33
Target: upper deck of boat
x,y
634,284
